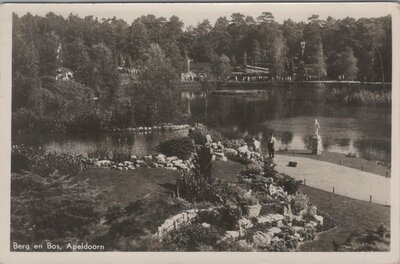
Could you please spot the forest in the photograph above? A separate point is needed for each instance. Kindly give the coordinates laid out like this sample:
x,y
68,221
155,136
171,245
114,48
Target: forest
x,y
103,53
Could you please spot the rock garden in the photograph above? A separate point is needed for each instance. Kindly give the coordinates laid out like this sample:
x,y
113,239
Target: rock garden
x,y
262,211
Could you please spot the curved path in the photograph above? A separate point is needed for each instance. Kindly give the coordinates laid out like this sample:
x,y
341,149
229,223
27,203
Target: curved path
x,y
346,181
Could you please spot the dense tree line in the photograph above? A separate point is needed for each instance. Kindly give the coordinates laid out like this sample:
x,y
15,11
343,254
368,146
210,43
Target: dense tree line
x,y
95,49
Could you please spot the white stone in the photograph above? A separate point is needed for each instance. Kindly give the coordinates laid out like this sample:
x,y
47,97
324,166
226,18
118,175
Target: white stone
x,y
319,219
230,152
128,163
231,234
243,150
264,219
261,239
209,139
206,225
275,230
276,217
311,224
254,210
245,223
102,163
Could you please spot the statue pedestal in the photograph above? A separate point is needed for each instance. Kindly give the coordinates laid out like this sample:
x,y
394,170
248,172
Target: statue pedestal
x,y
316,144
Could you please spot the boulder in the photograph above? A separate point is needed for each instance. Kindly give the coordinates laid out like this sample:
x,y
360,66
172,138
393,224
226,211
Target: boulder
x,y
171,159
311,224
276,217
264,219
209,139
206,225
243,150
128,163
245,223
161,158
231,234
319,219
254,210
120,164
102,163
230,152
272,190
261,239
275,230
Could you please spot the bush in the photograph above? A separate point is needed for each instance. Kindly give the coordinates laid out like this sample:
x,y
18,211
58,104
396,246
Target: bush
x,y
196,184
253,169
299,203
193,237
369,240
51,208
242,160
269,168
289,184
234,143
35,160
224,218
180,147
328,224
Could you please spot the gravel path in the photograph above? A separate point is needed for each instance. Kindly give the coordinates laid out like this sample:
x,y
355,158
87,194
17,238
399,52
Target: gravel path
x,y
346,181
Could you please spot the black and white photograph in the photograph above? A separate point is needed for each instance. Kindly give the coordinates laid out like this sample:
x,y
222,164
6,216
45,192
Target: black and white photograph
x,y
201,127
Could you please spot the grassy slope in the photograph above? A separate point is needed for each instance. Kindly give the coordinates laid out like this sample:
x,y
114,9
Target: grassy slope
x,y
350,215
125,186
355,163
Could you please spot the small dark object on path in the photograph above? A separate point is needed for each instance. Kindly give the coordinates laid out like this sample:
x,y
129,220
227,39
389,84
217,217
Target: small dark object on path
x,y
292,164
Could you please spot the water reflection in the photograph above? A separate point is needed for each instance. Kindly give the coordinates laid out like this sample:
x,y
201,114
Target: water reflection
x,y
287,114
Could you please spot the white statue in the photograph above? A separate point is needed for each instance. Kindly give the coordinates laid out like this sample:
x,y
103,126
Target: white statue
x,y
316,125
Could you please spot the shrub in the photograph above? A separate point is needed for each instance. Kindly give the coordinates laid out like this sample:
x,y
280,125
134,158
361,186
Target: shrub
x,y
235,246
369,240
22,157
35,160
121,155
224,218
100,152
234,143
328,224
299,203
242,160
51,208
253,169
289,184
180,147
192,237
308,233
64,163
198,137
269,168
195,184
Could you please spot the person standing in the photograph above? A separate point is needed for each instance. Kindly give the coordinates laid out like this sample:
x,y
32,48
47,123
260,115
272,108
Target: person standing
x,y
271,146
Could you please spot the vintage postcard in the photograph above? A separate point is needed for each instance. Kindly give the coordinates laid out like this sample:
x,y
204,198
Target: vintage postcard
x,y
199,133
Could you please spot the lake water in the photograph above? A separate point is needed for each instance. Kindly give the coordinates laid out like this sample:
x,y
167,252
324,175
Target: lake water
x,y
288,115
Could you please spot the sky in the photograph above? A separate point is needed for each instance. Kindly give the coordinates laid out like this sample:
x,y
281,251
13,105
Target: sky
x,y
192,14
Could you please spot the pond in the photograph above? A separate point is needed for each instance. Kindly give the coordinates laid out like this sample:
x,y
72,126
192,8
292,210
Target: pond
x,y
288,115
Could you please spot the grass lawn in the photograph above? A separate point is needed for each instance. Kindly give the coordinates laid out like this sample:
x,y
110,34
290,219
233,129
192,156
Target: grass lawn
x,y
350,215
341,159
126,186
